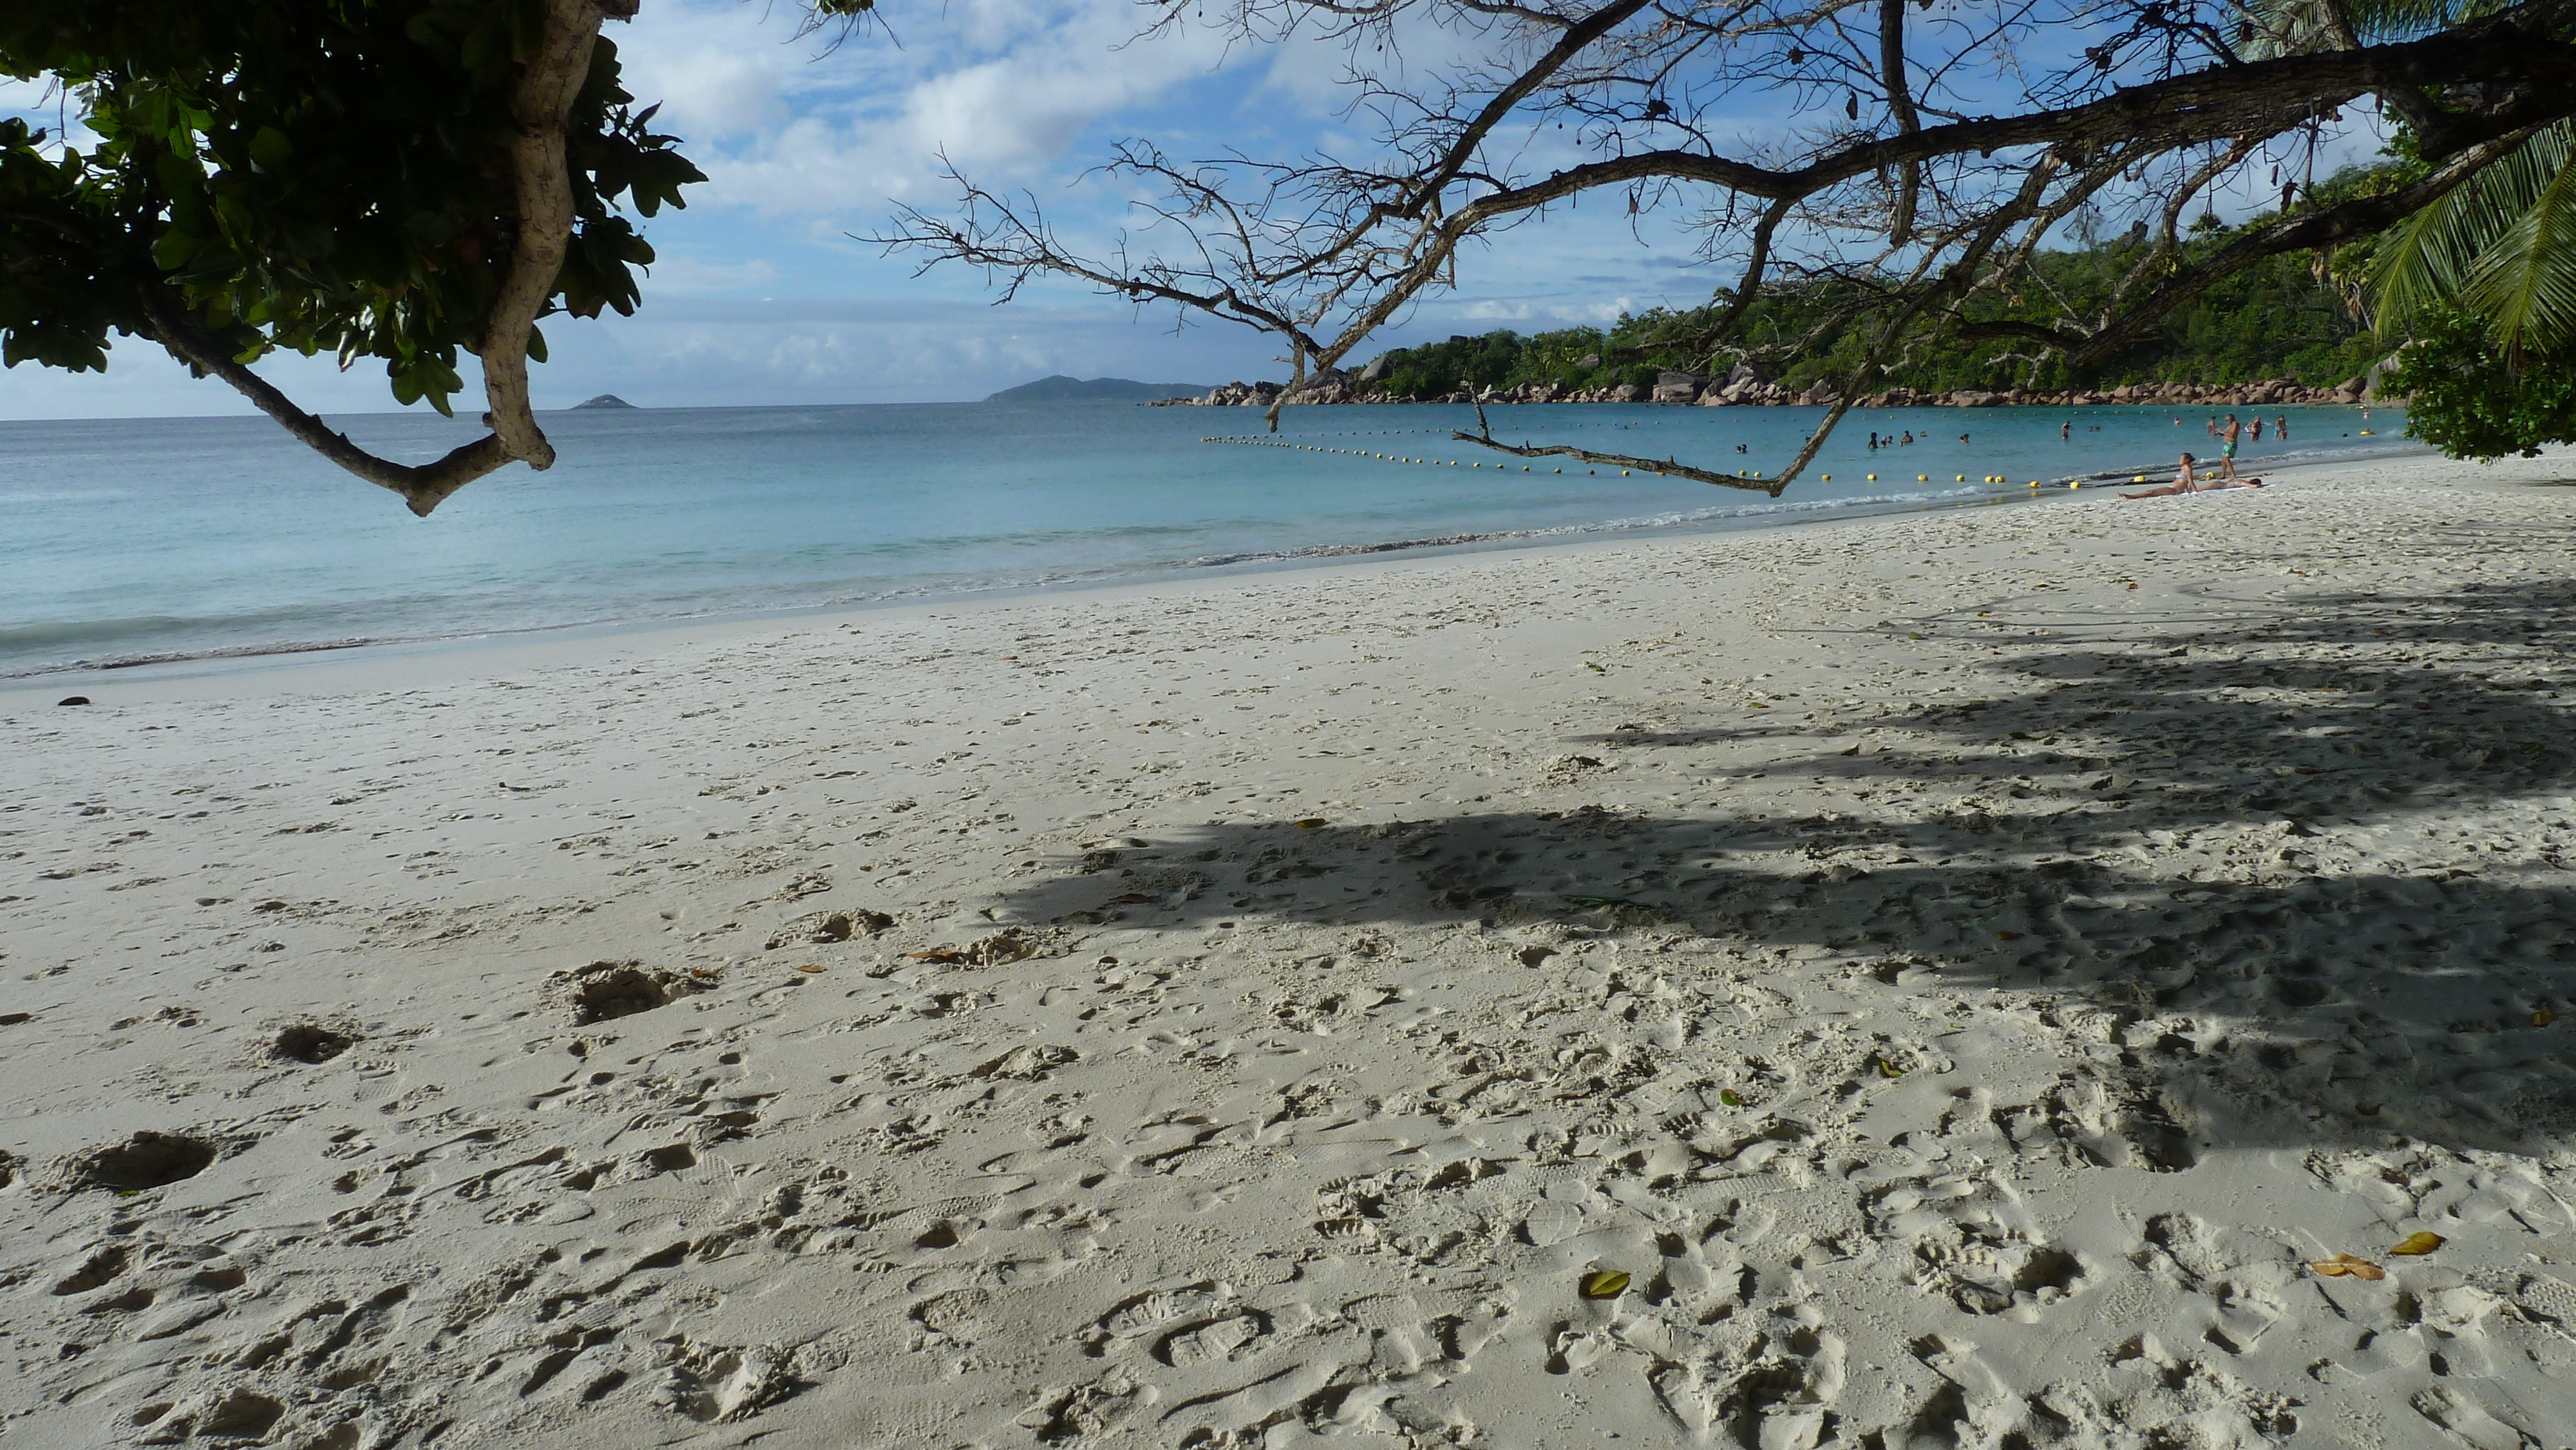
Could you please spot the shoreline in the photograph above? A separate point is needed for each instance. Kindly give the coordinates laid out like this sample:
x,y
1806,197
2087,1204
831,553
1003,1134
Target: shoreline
x,y
1962,972
1782,513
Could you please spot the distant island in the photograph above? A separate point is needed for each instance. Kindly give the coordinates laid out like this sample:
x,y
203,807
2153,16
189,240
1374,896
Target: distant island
x,y
604,400
1062,389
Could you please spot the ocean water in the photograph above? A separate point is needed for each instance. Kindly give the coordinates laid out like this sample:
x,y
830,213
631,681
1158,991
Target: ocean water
x,y
136,541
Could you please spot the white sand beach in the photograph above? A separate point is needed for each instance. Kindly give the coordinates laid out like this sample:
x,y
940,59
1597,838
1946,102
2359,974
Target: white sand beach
x,y
1962,969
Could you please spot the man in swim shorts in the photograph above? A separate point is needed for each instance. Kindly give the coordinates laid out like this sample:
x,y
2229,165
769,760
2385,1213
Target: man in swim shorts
x,y
2227,440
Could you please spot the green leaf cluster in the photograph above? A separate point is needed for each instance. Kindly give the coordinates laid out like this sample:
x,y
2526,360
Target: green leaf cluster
x,y
314,175
2473,397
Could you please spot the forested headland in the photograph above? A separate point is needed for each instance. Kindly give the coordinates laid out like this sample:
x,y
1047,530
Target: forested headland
x,y
2300,316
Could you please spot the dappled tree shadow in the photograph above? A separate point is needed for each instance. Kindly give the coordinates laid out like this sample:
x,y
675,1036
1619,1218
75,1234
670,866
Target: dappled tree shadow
x,y
2225,853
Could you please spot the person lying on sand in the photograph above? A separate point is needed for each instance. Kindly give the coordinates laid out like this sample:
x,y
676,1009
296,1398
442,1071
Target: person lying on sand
x,y
2182,482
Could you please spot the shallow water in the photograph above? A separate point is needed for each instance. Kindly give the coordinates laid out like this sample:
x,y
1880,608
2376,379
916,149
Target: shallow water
x,y
133,540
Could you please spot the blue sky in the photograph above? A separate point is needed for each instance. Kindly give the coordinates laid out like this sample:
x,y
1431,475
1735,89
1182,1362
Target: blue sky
x,y
761,295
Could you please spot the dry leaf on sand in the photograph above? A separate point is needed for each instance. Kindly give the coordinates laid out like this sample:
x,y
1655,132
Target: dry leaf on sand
x,y
2418,1243
2345,1264
1605,1284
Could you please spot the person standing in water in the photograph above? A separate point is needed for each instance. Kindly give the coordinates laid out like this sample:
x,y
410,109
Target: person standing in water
x,y
2228,438
2281,429
2066,431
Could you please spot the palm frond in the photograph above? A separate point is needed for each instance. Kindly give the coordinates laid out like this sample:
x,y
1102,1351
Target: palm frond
x,y
2302,27
2524,283
2430,257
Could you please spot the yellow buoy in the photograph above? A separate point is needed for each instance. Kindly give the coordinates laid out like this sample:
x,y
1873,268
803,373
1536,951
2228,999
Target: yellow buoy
x,y
1962,478
2079,483
1825,478
1922,478
1873,478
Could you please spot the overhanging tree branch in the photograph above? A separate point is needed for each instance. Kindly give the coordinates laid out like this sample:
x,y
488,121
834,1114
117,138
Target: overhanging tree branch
x,y
1324,252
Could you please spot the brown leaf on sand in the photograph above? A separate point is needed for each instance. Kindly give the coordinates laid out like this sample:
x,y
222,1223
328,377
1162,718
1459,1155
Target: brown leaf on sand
x,y
1604,1284
2419,1243
2543,1017
1310,823
809,967
1131,898
2345,1264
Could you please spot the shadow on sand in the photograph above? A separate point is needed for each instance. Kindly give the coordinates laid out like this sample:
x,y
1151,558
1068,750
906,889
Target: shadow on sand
x,y
2308,862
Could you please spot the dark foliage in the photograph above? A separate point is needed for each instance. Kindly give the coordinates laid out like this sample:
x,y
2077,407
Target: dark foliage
x,y
314,175
2468,399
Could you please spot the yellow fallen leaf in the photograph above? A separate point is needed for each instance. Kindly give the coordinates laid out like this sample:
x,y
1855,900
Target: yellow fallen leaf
x,y
1604,1284
809,967
2543,1017
2343,1264
1889,1069
2419,1243
1730,1097
1310,823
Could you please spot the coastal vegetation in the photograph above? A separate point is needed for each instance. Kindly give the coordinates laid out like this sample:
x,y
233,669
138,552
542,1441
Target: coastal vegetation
x,y
2483,284
2286,317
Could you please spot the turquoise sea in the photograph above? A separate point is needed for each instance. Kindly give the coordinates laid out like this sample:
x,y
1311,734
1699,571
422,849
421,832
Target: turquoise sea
x,y
134,541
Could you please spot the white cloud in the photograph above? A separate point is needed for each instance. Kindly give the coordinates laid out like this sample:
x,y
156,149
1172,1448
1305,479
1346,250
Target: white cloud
x,y
1006,88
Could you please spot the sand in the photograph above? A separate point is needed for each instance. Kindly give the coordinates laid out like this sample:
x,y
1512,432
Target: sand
x,y
1962,969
